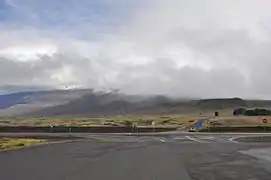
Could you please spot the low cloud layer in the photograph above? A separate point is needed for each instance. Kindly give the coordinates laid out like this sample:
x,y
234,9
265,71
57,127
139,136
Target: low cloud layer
x,y
187,48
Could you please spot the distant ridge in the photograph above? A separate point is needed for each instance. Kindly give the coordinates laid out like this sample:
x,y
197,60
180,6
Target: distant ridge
x,y
114,103
222,103
89,102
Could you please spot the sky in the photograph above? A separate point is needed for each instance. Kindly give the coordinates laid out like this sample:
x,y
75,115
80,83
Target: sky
x,y
184,48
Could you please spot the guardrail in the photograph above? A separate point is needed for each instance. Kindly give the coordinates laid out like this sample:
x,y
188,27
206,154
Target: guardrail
x,y
237,129
78,129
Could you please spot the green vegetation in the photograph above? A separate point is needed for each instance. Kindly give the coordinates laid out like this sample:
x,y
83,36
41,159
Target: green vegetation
x,y
252,112
11,143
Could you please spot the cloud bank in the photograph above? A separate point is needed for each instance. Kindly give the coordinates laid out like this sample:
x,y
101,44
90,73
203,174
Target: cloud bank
x,y
187,48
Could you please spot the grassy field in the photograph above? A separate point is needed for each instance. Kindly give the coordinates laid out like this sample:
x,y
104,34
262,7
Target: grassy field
x,y
243,121
180,120
166,120
11,143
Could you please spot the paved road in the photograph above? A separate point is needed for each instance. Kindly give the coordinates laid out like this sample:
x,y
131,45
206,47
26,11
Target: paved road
x,y
181,156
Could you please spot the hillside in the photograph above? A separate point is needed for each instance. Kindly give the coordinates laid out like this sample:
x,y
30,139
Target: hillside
x,y
87,102
100,104
114,103
221,103
21,102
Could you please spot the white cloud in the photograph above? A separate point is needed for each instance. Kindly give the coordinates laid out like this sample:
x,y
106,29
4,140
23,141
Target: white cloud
x,y
179,47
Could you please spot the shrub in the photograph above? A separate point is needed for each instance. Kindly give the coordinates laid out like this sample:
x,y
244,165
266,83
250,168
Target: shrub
x,y
257,112
239,111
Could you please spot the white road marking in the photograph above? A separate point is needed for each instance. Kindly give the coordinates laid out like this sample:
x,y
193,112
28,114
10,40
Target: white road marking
x,y
225,133
179,138
208,137
162,140
193,139
232,139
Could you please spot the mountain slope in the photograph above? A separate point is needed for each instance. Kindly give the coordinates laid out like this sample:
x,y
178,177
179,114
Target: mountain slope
x,y
21,102
91,104
222,103
88,102
113,103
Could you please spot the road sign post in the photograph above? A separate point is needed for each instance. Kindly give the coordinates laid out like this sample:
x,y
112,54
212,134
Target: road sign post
x,y
51,128
133,127
153,126
136,129
265,121
69,129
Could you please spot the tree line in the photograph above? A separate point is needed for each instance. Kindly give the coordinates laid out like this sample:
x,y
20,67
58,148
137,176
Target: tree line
x,y
252,112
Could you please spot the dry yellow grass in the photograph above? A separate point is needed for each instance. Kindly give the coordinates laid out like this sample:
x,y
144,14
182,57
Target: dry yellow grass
x,y
11,143
179,120
243,120
141,120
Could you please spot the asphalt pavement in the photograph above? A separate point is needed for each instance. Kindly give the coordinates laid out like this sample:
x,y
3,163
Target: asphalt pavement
x,y
172,156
